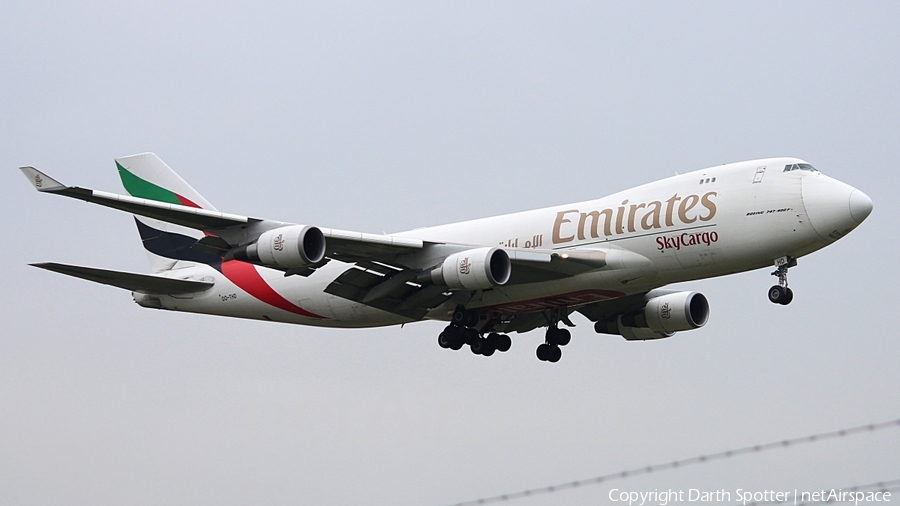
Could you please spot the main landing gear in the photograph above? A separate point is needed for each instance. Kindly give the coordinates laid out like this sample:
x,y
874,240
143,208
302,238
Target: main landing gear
x,y
780,293
464,330
553,339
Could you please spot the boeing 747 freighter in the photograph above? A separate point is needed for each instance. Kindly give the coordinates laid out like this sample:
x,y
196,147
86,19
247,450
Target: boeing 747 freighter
x,y
608,259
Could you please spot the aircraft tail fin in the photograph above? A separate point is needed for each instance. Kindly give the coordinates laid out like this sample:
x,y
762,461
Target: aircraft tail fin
x,y
146,176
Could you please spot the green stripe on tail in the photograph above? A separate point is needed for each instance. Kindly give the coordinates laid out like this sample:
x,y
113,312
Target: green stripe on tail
x,y
137,187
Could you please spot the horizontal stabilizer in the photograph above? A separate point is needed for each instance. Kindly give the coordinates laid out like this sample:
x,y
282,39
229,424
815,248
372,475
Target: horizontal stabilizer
x,y
142,283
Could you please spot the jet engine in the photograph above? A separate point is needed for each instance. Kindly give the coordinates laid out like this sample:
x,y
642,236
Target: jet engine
x,y
473,269
285,247
661,317
676,311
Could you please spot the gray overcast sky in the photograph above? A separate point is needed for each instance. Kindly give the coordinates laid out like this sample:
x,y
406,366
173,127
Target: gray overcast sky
x,y
388,116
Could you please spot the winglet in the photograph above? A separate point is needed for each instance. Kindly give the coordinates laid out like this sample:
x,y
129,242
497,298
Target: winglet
x,y
42,182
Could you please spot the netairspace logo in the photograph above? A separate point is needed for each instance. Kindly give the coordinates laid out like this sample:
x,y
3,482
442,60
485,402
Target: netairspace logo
x,y
693,495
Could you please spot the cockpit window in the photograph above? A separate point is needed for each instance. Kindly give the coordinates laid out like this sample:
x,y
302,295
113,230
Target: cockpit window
x,y
799,166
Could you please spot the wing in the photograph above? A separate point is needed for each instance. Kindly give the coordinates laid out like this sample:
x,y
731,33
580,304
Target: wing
x,y
227,230
190,217
389,272
388,287
357,246
396,284
608,308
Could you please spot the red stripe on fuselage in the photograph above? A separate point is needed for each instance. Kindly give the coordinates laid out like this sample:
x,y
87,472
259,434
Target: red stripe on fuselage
x,y
248,279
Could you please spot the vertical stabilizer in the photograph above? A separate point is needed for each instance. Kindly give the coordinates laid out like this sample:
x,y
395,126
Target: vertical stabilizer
x,y
146,176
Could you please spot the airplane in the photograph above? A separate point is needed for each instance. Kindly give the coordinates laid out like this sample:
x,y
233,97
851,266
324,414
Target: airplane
x,y
609,259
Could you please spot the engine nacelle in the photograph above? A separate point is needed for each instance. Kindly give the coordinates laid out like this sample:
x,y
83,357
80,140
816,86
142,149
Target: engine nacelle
x,y
286,247
676,312
660,318
474,269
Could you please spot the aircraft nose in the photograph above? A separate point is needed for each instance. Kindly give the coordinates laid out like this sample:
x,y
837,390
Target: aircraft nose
x,y
860,206
833,208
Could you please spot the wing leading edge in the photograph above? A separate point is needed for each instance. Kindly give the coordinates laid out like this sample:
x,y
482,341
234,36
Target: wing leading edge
x,y
200,219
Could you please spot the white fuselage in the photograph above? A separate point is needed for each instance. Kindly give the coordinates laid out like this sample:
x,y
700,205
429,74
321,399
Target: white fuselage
x,y
707,223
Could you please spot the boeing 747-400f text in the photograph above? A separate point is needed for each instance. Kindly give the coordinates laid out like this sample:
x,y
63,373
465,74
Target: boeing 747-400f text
x,y
608,259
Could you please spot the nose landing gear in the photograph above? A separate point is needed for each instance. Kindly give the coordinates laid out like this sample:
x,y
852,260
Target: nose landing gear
x,y
780,293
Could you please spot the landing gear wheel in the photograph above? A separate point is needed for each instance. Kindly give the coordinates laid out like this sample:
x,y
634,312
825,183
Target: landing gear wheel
x,y
543,352
548,353
451,338
459,317
503,343
550,335
490,344
562,337
555,354
788,297
476,343
778,294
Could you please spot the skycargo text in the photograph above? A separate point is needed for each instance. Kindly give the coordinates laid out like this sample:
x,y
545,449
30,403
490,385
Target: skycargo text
x,y
686,239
